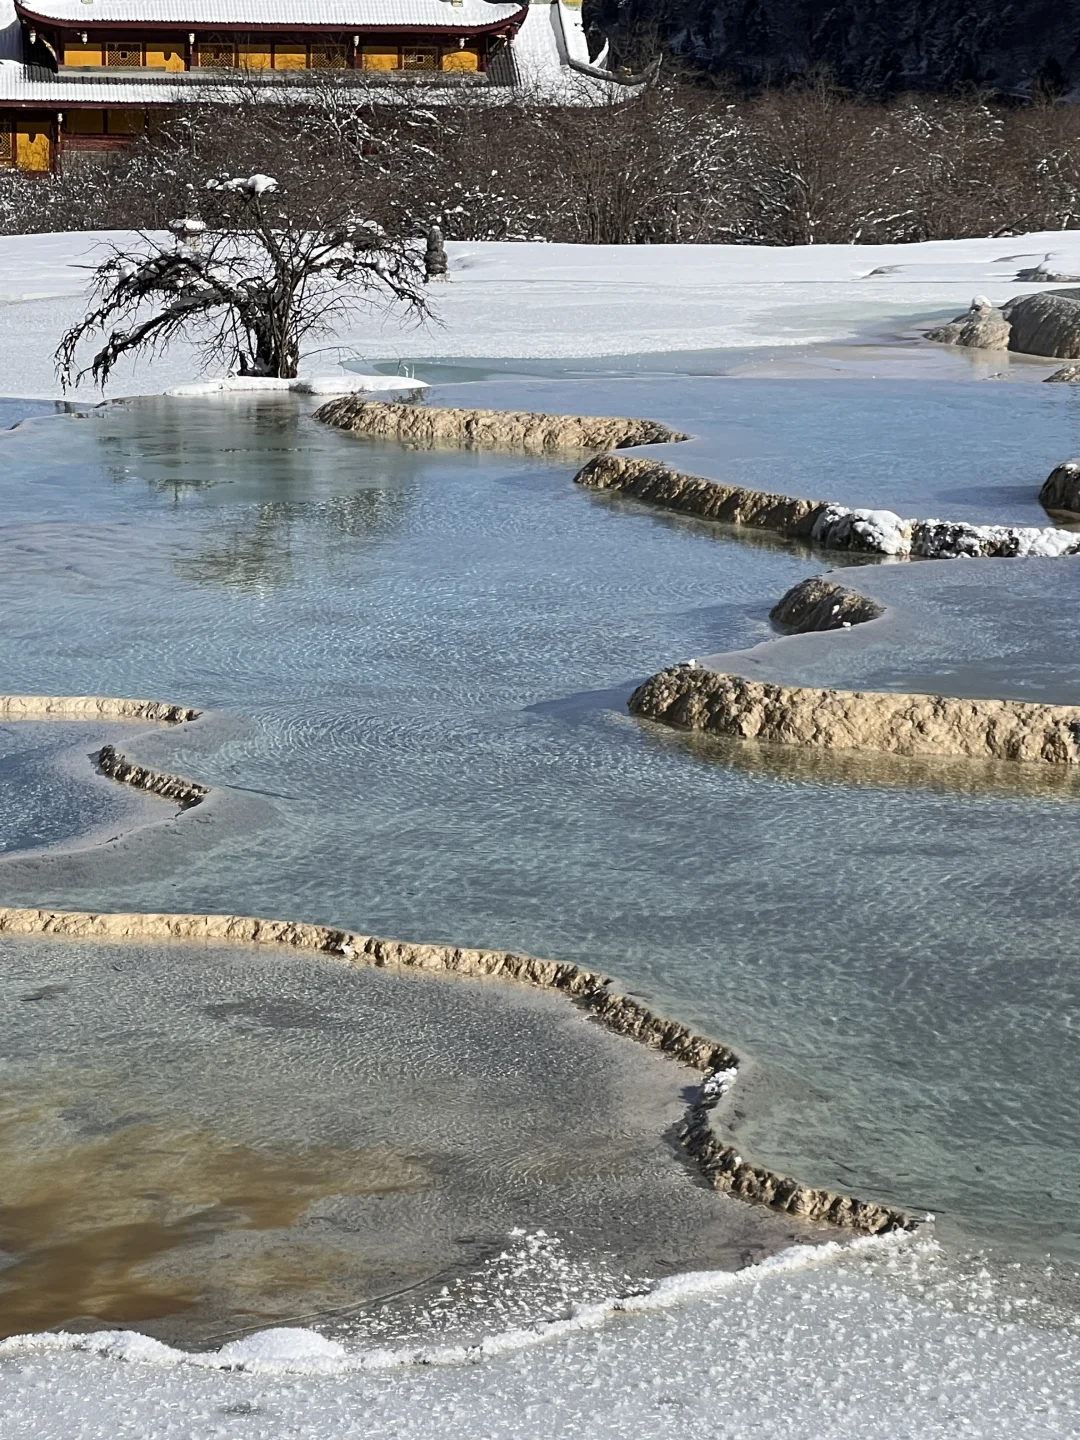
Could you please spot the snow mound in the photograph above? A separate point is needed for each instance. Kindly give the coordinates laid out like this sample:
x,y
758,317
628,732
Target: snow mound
x,y
305,385
282,1348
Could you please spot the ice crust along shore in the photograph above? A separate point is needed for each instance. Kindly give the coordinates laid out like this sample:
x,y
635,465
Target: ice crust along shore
x,y
867,1348
301,1351
540,300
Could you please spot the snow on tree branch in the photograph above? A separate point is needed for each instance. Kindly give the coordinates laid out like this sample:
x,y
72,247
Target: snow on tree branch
x,y
248,284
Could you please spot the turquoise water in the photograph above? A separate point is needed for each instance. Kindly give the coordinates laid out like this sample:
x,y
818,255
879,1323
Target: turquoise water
x,y
422,663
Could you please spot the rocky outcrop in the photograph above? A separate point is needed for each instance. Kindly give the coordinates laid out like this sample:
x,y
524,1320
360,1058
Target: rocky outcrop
x,y
170,787
428,426
899,724
1046,273
821,604
1061,489
92,707
1068,374
658,483
876,532
718,1162
982,327
1047,323
834,527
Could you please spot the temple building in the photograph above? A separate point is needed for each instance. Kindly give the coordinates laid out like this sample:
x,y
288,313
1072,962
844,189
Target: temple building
x,y
80,78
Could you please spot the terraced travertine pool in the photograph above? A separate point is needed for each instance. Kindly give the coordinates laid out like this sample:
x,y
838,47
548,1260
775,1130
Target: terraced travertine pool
x,y
416,667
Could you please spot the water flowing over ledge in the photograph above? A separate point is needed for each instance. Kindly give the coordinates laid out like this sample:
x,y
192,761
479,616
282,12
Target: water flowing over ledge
x,y
538,434
719,1163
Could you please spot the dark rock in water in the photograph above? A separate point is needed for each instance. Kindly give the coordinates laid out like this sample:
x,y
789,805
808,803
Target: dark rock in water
x,y
1061,489
878,46
1067,374
1044,324
821,604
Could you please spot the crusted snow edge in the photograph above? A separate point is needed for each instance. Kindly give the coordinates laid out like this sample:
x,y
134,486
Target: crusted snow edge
x,y
719,1163
719,703
528,430
832,526
286,1350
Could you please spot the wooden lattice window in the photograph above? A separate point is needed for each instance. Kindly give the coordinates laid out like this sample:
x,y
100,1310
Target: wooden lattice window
x,y
7,145
217,55
420,58
326,56
124,56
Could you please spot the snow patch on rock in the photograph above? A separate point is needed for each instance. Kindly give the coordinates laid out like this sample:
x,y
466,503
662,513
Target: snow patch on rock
x,y
878,532
952,539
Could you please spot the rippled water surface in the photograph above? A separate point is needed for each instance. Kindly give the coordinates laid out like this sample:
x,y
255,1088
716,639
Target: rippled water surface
x,y
200,1140
420,663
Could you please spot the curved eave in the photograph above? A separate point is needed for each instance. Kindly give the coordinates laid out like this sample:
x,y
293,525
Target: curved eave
x,y
243,27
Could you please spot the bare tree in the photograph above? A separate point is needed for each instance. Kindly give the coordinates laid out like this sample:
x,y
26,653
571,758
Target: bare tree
x,y
249,284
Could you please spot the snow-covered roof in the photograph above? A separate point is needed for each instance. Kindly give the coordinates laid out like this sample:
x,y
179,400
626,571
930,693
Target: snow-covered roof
x,y
274,14
539,60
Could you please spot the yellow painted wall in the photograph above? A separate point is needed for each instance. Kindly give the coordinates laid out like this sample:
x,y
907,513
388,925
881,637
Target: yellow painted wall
x,y
33,144
290,57
84,122
380,57
83,55
160,55
467,59
126,122
256,57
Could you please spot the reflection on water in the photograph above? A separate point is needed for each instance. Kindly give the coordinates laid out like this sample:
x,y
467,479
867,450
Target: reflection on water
x,y
258,551
809,765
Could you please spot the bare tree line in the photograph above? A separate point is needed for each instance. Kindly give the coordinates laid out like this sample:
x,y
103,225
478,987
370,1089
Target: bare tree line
x,y
678,163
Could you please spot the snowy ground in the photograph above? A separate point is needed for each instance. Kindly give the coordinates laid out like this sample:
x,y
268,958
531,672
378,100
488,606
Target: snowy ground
x,y
873,1347
537,300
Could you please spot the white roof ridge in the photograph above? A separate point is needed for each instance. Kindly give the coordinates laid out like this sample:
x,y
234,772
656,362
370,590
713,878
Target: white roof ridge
x,y
291,14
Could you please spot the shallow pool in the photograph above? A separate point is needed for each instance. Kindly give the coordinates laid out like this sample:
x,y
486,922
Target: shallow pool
x,y
421,663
